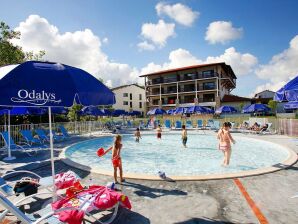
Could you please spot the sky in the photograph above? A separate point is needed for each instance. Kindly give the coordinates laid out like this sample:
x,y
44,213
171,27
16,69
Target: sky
x,y
118,41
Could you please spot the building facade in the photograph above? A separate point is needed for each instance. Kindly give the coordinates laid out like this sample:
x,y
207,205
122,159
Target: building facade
x,y
235,101
129,98
203,85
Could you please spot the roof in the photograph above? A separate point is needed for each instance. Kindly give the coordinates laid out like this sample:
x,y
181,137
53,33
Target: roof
x,y
225,66
234,98
267,90
124,86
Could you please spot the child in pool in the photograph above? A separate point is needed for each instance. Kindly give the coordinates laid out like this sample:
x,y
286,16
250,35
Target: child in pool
x,y
158,130
184,136
116,158
138,135
225,140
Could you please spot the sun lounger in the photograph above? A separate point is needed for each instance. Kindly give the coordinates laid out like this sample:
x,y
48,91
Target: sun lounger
x,y
6,187
189,124
215,126
178,125
200,124
90,200
30,150
209,124
64,131
28,137
45,138
167,124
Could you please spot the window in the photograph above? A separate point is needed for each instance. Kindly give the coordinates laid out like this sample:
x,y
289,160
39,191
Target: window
x,y
208,98
140,96
130,104
125,94
172,89
140,104
208,73
125,102
130,96
155,102
208,85
189,76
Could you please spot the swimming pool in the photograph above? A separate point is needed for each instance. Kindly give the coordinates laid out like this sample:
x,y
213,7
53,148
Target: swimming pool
x,y
201,157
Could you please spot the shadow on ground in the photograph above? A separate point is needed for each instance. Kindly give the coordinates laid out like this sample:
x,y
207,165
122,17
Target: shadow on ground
x,y
145,191
204,221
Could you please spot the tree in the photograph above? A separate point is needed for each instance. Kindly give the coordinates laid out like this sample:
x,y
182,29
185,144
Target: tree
x,y
273,105
241,105
73,112
13,54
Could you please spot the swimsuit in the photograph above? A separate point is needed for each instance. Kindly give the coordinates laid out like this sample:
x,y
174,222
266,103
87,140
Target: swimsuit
x,y
224,143
158,135
116,161
184,140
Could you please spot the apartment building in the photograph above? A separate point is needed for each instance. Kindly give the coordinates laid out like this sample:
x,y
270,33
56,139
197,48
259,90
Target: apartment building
x,y
204,85
129,98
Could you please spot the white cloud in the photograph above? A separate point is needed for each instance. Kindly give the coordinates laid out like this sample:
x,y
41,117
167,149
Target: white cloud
x,y
242,64
145,46
282,66
80,49
105,40
222,32
180,13
268,86
158,33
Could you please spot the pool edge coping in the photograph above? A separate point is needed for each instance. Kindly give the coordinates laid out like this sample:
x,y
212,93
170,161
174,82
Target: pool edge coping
x,y
288,162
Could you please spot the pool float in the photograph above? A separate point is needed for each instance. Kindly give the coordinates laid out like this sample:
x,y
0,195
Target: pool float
x,y
100,152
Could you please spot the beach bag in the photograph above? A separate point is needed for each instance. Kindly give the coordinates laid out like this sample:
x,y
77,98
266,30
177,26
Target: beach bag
x,y
28,186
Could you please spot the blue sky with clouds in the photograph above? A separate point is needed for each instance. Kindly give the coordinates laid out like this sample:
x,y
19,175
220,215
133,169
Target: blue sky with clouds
x,y
119,40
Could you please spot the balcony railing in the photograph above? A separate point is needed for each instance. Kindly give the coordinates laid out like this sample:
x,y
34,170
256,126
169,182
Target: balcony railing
x,y
163,80
181,90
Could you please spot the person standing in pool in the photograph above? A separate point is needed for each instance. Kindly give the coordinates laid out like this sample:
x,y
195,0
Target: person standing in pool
x,y
138,135
184,136
116,158
225,139
158,131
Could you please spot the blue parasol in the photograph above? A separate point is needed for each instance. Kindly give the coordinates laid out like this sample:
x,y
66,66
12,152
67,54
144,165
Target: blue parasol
x,y
291,105
258,107
118,112
46,84
92,111
226,109
288,92
156,111
196,109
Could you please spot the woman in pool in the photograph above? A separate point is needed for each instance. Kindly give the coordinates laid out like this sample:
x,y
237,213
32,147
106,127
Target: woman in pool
x,y
158,131
225,140
184,136
116,158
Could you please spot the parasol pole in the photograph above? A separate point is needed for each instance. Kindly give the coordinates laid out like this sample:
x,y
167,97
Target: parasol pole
x,y
52,153
9,157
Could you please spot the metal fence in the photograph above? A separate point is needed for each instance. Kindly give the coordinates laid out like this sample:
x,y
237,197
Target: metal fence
x,y
73,127
281,126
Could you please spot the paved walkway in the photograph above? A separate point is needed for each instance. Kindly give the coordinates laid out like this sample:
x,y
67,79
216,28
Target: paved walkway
x,y
263,199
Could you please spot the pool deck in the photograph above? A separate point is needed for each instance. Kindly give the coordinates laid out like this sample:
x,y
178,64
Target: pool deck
x,y
264,198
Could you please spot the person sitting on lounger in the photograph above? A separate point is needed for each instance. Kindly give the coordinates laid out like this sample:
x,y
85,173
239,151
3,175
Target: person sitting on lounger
x,y
255,127
263,128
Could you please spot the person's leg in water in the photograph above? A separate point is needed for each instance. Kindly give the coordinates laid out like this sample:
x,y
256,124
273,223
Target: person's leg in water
x,y
229,152
224,163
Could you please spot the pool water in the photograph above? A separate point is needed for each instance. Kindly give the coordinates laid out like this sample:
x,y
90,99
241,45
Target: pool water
x,y
201,157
